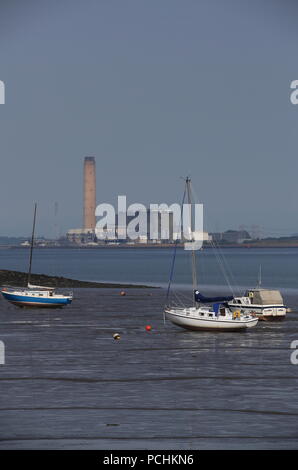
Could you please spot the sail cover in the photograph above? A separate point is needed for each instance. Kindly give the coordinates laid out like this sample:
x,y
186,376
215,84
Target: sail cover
x,y
205,300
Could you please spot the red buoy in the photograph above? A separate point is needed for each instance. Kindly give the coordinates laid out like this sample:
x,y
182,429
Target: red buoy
x,y
148,328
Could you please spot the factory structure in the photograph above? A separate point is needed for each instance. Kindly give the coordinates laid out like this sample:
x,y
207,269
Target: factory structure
x,y
86,234
89,235
89,205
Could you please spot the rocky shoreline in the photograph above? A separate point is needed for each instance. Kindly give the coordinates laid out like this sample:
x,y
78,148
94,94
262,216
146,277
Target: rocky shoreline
x,y
19,279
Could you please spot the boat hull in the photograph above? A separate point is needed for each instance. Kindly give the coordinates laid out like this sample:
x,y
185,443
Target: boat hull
x,y
273,313
196,324
36,302
266,304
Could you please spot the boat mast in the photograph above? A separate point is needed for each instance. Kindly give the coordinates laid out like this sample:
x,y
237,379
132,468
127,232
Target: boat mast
x,y
260,276
31,246
193,254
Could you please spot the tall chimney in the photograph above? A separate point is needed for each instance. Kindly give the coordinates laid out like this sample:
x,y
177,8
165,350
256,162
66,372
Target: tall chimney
x,y
89,193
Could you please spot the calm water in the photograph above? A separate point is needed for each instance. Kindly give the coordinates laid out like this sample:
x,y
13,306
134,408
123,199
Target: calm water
x,y
239,267
67,384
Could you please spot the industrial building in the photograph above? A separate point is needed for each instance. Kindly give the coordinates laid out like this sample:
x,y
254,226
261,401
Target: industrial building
x,y
160,224
87,233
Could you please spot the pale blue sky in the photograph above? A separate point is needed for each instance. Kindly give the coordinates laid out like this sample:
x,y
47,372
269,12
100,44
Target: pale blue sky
x,y
154,90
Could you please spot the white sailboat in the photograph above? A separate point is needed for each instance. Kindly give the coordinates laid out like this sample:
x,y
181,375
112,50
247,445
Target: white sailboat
x,y
32,295
206,313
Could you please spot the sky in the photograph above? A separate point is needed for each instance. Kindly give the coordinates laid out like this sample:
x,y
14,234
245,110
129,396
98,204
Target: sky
x,y
155,90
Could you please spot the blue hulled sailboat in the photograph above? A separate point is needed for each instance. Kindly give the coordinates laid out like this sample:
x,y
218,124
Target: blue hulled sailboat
x,y
35,296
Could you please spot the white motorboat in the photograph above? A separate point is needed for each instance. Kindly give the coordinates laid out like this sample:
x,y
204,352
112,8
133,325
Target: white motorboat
x,y
266,304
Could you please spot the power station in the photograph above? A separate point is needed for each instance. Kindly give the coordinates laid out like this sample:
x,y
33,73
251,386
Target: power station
x,y
89,193
87,233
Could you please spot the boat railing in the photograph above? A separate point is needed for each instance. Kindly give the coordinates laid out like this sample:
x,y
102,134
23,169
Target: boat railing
x,y
13,288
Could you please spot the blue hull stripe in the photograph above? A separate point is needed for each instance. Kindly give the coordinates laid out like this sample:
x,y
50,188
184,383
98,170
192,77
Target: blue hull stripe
x,y
25,299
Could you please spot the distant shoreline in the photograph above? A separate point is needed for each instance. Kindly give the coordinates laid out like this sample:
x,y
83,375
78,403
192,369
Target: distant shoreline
x,y
19,279
155,245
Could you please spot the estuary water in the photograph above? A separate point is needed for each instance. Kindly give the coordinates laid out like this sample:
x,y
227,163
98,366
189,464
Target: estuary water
x,y
238,267
67,384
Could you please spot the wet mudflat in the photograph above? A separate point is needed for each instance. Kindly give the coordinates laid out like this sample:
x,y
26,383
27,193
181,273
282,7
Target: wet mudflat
x,y
67,384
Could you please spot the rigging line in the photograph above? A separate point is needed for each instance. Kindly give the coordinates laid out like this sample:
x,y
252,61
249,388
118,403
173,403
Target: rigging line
x,y
221,263
260,277
225,271
193,256
179,296
187,297
224,266
228,268
235,284
175,251
219,260
178,300
32,245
